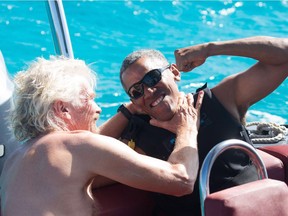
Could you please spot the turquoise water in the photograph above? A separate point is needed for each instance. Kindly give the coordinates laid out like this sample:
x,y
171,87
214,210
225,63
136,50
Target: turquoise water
x,y
104,32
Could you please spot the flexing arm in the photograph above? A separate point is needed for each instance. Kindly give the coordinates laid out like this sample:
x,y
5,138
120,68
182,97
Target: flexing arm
x,y
238,92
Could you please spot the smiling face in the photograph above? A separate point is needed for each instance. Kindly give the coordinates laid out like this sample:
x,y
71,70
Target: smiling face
x,y
159,101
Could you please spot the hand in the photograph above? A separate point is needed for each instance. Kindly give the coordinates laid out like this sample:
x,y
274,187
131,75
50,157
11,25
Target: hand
x,y
186,117
191,57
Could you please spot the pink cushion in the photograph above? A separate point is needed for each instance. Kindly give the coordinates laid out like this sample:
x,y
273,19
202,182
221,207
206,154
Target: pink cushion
x,y
118,200
275,167
281,152
259,198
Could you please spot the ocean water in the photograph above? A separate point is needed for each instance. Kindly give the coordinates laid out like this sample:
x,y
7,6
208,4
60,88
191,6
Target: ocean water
x,y
104,32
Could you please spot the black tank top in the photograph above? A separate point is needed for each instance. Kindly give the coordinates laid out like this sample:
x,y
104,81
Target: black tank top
x,y
231,168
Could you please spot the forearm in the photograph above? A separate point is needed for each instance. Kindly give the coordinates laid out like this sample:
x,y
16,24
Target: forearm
x,y
186,153
268,50
184,157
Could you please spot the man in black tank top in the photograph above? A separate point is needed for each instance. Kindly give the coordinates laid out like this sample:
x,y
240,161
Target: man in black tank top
x,y
150,82
230,169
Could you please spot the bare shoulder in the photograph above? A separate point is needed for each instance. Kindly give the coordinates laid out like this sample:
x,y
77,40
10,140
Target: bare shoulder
x,y
224,88
64,139
87,139
225,92
58,149
79,147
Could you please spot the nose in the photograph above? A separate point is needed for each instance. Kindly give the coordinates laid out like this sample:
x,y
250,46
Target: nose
x,y
149,90
98,109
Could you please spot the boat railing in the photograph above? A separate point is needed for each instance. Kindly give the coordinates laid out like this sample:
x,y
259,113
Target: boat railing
x,y
59,28
212,156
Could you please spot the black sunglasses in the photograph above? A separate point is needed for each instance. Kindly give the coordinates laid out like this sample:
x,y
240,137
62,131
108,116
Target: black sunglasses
x,y
150,79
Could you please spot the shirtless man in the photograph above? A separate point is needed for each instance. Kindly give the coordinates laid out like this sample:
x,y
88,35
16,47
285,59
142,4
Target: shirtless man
x,y
55,116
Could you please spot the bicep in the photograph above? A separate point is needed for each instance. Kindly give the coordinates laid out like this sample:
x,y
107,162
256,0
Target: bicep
x,y
257,82
239,91
128,167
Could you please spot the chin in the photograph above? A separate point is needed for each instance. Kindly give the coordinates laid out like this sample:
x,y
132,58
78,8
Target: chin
x,y
163,111
164,115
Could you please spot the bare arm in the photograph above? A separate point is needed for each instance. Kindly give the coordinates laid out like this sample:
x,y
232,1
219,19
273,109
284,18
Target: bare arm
x,y
108,157
238,92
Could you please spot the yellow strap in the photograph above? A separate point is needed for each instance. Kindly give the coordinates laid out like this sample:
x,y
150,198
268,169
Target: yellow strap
x,y
131,144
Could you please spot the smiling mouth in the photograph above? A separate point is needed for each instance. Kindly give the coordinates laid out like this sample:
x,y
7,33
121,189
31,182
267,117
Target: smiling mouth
x,y
157,101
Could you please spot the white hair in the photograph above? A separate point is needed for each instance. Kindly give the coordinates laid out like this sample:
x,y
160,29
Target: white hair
x,y
36,90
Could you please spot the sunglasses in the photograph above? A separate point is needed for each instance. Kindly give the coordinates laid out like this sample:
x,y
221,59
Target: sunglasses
x,y
150,79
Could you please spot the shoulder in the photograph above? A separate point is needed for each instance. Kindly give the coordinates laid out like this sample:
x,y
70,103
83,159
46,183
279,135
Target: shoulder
x,y
80,144
226,95
61,151
61,144
64,138
83,143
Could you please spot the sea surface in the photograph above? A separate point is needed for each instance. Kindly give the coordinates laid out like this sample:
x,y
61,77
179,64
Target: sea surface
x,y
104,32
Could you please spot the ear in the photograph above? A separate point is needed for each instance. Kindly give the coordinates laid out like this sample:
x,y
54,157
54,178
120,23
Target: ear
x,y
176,72
61,110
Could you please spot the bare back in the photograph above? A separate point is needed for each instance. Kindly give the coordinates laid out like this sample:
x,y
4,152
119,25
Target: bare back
x,y
44,168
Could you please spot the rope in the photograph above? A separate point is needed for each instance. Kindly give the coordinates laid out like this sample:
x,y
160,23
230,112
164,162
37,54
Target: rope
x,y
267,132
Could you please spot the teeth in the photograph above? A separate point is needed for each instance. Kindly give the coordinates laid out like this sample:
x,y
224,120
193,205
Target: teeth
x,y
155,103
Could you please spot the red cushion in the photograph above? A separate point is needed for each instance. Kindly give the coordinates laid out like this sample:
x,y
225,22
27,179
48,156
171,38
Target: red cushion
x,y
259,198
118,200
281,152
275,167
